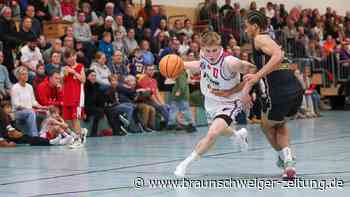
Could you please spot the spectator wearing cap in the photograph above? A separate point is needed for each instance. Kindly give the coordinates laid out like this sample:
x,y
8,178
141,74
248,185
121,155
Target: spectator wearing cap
x,y
23,101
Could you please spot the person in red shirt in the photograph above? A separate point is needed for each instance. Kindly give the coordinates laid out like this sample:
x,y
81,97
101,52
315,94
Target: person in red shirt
x,y
73,92
49,92
148,82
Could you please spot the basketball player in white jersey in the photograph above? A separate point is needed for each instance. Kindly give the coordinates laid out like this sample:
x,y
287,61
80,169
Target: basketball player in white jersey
x,y
225,95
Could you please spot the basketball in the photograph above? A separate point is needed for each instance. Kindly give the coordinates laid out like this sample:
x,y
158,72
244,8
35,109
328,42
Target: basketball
x,y
171,66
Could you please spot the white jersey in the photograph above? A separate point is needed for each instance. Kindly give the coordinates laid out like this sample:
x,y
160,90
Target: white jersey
x,y
219,75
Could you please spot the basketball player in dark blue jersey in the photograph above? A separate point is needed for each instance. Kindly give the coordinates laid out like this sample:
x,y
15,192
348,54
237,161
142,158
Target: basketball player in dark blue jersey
x,y
281,92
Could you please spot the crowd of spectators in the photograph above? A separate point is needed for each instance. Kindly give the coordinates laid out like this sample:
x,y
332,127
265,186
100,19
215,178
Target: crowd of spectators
x,y
106,63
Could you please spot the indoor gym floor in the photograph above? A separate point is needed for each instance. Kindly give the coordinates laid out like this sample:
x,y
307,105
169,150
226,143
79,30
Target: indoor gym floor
x,y
107,167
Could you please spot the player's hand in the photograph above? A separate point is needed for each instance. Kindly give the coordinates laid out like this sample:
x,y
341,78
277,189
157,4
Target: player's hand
x,y
177,94
247,101
251,78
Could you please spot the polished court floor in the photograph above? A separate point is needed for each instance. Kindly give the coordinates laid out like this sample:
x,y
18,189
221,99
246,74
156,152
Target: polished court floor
x,y
108,167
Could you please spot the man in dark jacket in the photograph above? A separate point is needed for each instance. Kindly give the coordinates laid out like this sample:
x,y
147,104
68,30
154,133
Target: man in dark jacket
x,y
8,37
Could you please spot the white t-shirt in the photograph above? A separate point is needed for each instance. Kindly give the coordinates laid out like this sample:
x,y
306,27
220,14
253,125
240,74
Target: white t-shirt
x,y
23,96
31,57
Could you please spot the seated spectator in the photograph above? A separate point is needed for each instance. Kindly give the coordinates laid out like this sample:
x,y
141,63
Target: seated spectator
x,y
101,70
68,32
24,102
315,50
43,44
55,129
119,65
105,46
139,29
159,44
10,135
146,12
146,114
90,15
146,52
56,47
137,66
188,30
106,27
236,51
108,11
94,101
129,18
39,76
68,44
119,43
42,10
344,53
68,10
5,83
172,49
25,33
148,82
55,9
49,92
130,42
176,29
162,28
184,44
31,55
81,29
119,26
36,25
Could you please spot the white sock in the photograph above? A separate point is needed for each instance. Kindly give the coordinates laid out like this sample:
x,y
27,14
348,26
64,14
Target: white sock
x,y
192,157
287,154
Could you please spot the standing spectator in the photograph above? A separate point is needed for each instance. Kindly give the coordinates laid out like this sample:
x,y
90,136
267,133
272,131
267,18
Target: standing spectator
x,y
68,10
31,55
55,9
106,47
94,101
73,91
148,82
130,42
180,103
49,92
5,83
119,66
24,102
36,25
8,37
101,70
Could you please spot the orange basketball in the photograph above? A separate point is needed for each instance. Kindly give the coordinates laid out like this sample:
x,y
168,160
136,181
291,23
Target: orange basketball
x,y
171,66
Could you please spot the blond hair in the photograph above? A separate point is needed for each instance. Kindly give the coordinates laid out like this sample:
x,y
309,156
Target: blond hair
x,y
210,39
